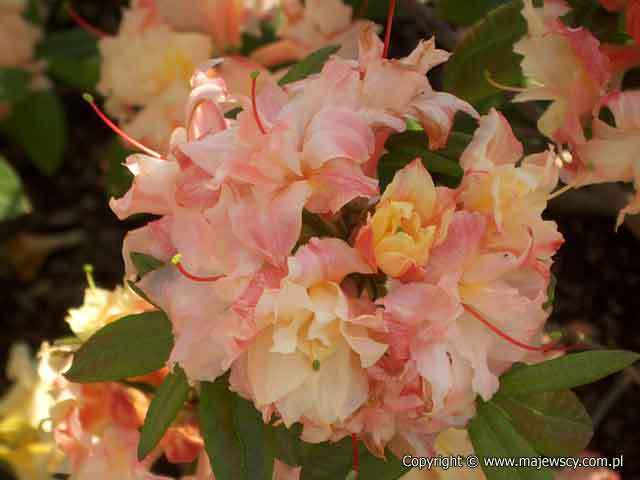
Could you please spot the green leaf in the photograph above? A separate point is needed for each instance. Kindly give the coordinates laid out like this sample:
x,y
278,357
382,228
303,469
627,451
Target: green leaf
x,y
565,372
222,443
242,447
164,408
468,12
38,125
118,177
132,346
313,63
442,164
493,436
556,424
487,47
14,84
72,57
145,263
82,73
67,43
13,200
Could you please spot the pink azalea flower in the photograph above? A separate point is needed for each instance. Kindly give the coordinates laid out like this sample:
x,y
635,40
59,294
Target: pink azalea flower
x,y
612,154
574,95
309,27
308,360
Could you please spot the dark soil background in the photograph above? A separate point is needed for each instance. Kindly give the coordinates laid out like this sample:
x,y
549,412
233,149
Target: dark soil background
x,y
598,270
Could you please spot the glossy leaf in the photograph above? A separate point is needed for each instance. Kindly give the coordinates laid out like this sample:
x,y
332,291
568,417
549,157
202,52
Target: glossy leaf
x,y
442,164
242,447
164,408
556,424
565,372
493,435
38,124
226,449
132,346
145,263
487,47
14,84
13,200
310,65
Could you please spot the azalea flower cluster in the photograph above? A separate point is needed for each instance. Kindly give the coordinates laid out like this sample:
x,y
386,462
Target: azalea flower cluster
x,y
18,39
148,96
598,151
349,312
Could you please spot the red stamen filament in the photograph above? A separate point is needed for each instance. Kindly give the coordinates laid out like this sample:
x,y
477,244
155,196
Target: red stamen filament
x,y
254,83
387,33
195,278
356,453
508,338
86,26
117,129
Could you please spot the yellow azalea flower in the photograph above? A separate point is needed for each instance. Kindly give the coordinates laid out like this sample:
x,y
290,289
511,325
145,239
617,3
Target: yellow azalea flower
x,y
25,443
403,229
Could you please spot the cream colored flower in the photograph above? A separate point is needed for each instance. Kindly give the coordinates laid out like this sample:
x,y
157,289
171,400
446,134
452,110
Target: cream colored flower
x,y
102,307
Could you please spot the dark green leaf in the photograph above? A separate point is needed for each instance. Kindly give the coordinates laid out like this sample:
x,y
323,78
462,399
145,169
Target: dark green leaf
x,y
13,200
493,436
132,346
235,437
14,84
67,43
309,65
487,47
468,12
118,177
145,263
164,408
242,447
82,73
38,124
251,43
565,372
72,57
442,164
556,424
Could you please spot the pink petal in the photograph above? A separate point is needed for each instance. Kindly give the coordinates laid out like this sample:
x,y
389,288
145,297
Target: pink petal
x,y
436,112
152,190
325,260
253,222
336,184
493,144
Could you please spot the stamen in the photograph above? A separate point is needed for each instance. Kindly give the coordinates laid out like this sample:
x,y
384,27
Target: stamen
x,y
387,33
254,81
88,270
356,455
560,191
500,86
82,23
177,261
89,99
508,338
